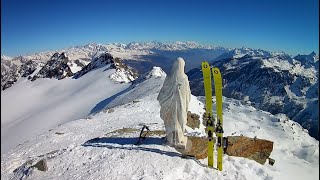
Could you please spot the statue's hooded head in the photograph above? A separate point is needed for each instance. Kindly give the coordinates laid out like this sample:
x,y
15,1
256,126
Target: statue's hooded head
x,y
178,68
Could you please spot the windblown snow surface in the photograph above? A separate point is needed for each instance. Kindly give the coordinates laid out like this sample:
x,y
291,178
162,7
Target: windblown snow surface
x,y
29,108
89,148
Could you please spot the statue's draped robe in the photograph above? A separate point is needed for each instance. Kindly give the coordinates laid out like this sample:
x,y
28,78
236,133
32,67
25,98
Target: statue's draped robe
x,y
174,99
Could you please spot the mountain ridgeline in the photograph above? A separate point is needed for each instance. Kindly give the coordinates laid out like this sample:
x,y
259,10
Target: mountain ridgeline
x,y
59,67
272,82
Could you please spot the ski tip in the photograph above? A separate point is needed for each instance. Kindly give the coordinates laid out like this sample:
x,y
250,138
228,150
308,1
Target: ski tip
x,y
216,70
205,64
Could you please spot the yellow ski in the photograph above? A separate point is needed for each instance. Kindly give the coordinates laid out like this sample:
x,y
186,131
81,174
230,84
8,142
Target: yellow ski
x,y
219,125
208,93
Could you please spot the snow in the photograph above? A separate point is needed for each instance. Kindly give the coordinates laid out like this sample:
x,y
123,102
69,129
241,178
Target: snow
x,y
32,107
132,51
241,52
4,57
121,76
74,67
89,149
156,72
144,86
293,68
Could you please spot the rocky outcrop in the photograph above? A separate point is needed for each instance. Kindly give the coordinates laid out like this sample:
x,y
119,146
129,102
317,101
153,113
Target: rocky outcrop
x,y
9,74
41,165
28,68
258,150
57,67
199,147
101,61
123,74
193,120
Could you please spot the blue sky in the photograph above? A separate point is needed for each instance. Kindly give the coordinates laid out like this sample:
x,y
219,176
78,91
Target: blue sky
x,y
29,26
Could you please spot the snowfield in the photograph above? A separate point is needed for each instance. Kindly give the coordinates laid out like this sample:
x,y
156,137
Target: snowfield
x,y
29,108
92,148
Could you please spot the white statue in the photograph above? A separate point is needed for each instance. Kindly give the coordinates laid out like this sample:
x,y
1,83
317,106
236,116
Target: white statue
x,y
174,99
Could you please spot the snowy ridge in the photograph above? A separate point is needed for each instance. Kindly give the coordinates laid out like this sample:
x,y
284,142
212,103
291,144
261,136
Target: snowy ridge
x,y
89,149
156,72
310,58
57,67
122,76
278,84
32,107
242,52
148,84
102,60
60,67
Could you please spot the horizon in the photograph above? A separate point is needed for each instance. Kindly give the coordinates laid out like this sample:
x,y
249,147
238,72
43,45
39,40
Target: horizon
x,y
276,26
141,42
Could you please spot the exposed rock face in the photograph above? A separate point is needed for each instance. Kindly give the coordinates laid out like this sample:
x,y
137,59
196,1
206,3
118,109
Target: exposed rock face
x,y
28,68
123,72
174,99
199,147
103,60
193,120
41,165
258,150
9,74
57,67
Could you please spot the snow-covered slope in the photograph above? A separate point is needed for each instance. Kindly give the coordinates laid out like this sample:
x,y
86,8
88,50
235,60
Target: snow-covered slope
x,y
148,84
276,83
90,148
29,108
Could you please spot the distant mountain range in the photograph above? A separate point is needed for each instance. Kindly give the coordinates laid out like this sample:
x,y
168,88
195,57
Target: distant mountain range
x,y
149,53
275,82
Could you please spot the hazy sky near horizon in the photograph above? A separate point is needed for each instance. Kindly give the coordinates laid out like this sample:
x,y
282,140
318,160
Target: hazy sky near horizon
x,y
29,26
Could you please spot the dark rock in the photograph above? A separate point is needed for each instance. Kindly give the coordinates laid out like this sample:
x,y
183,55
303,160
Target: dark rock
x,y
57,67
101,61
28,68
9,73
41,165
271,161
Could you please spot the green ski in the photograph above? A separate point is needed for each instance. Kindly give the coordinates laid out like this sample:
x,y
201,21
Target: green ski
x,y
219,125
208,94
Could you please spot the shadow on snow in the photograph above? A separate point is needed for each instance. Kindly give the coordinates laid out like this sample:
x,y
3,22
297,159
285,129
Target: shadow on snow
x,y
119,143
129,144
102,104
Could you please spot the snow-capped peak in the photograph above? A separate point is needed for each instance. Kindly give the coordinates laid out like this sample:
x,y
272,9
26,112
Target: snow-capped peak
x,y
310,58
4,57
155,72
242,52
